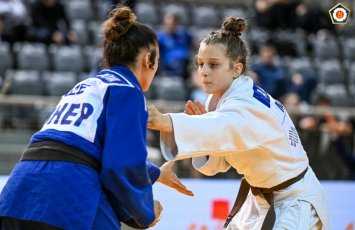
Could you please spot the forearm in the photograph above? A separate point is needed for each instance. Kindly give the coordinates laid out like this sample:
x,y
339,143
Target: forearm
x,y
167,124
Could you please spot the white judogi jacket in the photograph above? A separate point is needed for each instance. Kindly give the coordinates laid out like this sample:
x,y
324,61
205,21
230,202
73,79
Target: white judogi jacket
x,y
249,131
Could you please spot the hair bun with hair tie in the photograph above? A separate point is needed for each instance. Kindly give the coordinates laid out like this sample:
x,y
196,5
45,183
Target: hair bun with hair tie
x,y
234,25
119,22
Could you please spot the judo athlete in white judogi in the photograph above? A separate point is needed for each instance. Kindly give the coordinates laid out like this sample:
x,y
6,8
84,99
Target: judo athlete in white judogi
x,y
243,127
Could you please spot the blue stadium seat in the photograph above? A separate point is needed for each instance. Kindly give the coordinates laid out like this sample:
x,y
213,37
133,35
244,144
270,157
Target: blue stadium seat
x,y
82,76
93,56
326,49
352,78
32,56
238,12
67,58
6,57
303,64
348,30
349,49
96,32
103,10
332,82
147,13
180,9
79,26
206,16
330,72
79,9
58,83
24,82
170,88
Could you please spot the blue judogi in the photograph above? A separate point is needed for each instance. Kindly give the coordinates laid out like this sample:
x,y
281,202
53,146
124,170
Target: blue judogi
x,y
105,116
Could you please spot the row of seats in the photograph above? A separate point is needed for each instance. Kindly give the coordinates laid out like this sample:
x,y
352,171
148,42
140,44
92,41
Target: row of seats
x,y
36,56
321,46
77,59
31,82
150,12
190,14
331,81
58,83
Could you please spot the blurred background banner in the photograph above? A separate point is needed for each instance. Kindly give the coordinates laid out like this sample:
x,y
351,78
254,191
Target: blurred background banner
x,y
214,198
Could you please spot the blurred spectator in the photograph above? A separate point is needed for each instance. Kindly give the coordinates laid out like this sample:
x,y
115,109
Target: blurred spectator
x,y
276,14
302,83
175,43
311,18
340,130
291,100
314,123
50,23
13,19
326,123
291,14
271,77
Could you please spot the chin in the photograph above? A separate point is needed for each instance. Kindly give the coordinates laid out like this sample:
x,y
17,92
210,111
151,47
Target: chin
x,y
208,91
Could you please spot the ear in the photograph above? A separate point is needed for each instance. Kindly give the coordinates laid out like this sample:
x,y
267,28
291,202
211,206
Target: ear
x,y
238,68
148,62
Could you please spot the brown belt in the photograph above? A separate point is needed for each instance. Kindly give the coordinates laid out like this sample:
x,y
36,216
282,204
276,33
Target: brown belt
x,y
268,196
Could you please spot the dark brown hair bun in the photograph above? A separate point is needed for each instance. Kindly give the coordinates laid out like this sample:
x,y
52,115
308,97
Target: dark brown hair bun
x,y
118,23
233,25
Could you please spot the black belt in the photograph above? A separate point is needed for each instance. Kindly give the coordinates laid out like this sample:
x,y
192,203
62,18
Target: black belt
x,y
268,196
57,151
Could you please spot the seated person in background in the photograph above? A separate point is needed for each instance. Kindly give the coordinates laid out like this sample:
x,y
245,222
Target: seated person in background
x,y
302,83
312,18
312,122
174,43
50,23
276,14
271,77
325,123
340,130
13,21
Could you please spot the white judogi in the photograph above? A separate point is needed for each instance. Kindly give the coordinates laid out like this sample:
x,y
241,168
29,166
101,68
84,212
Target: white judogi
x,y
251,132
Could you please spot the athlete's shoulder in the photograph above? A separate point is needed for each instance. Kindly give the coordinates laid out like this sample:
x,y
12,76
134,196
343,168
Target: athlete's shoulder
x,y
113,78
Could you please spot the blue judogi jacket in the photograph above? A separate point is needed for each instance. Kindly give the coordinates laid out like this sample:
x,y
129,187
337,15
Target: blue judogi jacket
x,y
105,116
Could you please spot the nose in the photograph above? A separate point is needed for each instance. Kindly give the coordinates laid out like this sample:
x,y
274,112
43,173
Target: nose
x,y
204,71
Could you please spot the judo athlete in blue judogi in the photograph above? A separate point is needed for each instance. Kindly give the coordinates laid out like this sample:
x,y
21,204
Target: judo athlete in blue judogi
x,y
87,167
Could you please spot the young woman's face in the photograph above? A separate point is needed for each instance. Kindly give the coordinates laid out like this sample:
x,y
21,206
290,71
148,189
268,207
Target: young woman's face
x,y
214,69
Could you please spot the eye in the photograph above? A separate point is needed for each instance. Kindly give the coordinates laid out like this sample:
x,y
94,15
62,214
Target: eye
x,y
199,65
213,66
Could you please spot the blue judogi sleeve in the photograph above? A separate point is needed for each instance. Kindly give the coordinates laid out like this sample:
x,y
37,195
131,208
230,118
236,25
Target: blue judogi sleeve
x,y
153,171
124,158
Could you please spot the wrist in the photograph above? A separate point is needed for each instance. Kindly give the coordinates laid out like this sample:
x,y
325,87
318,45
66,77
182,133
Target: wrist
x,y
167,123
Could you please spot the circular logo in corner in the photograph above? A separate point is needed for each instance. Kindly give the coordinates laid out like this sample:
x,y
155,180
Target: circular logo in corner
x,y
339,14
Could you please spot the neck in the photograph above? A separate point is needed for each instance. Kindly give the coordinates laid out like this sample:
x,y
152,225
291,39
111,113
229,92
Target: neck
x,y
212,105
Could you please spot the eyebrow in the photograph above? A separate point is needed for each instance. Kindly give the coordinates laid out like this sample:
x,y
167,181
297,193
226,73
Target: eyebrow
x,y
210,59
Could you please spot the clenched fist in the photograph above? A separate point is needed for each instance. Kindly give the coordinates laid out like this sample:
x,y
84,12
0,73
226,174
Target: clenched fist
x,y
159,121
